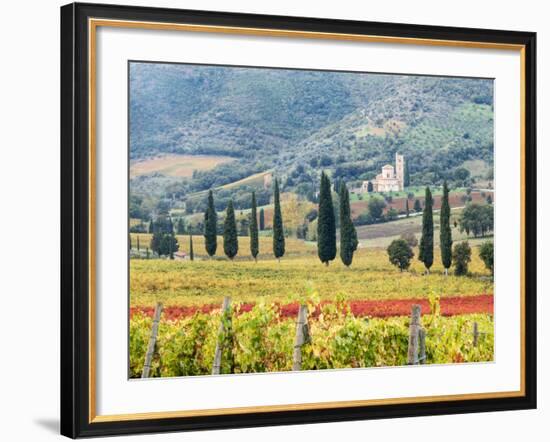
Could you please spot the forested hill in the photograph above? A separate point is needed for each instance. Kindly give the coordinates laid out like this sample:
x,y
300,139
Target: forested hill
x,y
298,122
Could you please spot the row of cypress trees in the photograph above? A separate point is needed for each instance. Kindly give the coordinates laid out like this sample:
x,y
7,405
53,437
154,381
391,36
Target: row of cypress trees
x,y
426,247
326,225
230,236
181,230
165,243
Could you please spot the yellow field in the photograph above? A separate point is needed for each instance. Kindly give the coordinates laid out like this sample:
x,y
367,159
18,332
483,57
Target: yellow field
x,y
370,277
177,165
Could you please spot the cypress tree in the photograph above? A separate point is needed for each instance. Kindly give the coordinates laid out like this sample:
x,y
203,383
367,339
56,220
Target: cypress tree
x,y
445,235
262,219
164,241
158,233
180,227
151,226
426,254
406,178
407,207
254,246
138,243
230,241
326,224
278,230
348,234
337,184
172,242
191,253
210,226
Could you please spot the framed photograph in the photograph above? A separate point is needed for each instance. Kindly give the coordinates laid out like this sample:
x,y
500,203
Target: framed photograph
x,y
279,220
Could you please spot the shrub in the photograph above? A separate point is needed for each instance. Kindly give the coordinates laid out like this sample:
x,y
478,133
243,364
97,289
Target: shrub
x,y
376,207
400,254
364,219
392,214
477,219
462,255
486,254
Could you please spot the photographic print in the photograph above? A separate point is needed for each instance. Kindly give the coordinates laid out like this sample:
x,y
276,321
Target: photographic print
x,y
286,219
274,220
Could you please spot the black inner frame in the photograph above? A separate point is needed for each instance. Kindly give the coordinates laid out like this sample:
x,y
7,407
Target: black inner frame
x,y
75,220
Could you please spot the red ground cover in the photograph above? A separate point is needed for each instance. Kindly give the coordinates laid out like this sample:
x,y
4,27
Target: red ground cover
x,y
450,306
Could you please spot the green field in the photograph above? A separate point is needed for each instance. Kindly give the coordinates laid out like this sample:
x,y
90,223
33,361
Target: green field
x,y
417,191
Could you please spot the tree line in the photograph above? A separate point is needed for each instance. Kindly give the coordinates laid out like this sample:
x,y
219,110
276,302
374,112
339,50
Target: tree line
x,y
476,218
326,226
165,243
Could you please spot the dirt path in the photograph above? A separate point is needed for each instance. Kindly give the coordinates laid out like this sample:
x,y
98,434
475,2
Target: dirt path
x,y
450,306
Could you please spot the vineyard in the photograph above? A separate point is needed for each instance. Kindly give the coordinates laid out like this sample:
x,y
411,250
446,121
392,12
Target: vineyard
x,y
357,317
262,339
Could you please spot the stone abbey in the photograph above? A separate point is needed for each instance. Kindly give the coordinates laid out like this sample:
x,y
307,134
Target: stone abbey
x,y
391,179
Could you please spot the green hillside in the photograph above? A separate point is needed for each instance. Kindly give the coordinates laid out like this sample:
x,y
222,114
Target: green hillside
x,y
299,122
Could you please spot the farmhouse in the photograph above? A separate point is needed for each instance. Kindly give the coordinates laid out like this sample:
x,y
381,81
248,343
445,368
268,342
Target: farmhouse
x,y
390,179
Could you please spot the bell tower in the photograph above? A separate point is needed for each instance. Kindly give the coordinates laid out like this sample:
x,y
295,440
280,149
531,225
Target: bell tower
x,y
400,170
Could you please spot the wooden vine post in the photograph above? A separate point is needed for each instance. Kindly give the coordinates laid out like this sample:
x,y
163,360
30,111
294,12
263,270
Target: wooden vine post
x,y
302,337
476,334
226,316
414,329
152,341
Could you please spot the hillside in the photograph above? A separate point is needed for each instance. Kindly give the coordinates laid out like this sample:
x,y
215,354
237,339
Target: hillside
x,y
298,122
